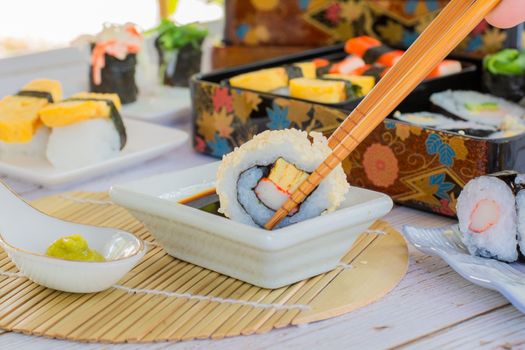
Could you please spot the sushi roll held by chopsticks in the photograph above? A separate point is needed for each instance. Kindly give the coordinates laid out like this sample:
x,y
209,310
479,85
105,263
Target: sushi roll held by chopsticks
x,y
86,129
258,177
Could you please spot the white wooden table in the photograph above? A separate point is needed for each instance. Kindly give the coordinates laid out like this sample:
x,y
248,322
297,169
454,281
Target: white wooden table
x,y
433,307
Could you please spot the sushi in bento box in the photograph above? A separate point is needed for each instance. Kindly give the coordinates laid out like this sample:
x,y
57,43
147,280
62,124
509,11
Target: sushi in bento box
x,y
261,23
421,156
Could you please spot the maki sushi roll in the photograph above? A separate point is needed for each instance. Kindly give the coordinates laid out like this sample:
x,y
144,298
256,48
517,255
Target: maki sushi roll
x,y
113,61
475,107
258,177
504,74
179,51
423,118
491,214
86,129
21,132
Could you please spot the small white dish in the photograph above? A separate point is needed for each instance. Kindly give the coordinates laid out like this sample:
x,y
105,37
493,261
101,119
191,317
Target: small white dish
x,y
25,234
445,242
145,141
269,259
166,104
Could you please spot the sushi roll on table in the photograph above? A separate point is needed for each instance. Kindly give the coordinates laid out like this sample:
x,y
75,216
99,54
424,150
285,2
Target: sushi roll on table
x,y
21,132
258,177
86,129
491,214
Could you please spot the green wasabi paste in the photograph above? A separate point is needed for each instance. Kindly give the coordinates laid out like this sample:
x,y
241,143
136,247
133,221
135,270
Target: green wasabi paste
x,y
73,247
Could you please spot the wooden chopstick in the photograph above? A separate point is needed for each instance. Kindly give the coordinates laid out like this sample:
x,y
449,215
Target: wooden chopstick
x,y
447,15
449,28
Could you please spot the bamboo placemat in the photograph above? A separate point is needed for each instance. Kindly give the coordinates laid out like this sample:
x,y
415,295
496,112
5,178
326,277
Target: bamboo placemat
x,y
163,298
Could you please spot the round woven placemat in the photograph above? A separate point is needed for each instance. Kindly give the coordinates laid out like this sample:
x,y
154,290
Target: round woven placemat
x,y
163,298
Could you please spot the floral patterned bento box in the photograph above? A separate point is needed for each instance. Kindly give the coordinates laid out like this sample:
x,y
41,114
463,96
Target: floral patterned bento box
x,y
417,166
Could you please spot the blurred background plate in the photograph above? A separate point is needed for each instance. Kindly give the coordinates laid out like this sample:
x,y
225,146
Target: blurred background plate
x,y
166,105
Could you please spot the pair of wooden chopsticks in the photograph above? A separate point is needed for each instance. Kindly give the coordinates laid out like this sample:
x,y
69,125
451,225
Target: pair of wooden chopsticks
x,y
447,30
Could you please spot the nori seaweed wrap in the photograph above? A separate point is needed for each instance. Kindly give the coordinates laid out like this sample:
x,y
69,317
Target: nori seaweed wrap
x,y
117,76
504,74
178,66
179,50
113,61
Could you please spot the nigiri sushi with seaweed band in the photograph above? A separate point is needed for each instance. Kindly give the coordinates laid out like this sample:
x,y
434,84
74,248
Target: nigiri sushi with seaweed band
x,y
255,180
21,132
489,218
86,129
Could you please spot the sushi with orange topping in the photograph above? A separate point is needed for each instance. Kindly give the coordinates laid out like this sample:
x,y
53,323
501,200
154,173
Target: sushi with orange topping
x,y
114,59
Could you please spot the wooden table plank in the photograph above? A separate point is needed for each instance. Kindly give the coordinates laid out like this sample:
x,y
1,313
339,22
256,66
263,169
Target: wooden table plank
x,y
430,302
503,328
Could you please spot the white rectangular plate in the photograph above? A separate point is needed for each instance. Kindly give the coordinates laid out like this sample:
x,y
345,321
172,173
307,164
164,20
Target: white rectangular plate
x,y
145,141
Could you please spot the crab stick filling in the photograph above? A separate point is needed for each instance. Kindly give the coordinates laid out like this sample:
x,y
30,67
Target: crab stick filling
x,y
271,194
275,189
485,214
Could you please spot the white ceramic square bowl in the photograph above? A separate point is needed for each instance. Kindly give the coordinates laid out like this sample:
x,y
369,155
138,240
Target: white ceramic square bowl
x,y
269,259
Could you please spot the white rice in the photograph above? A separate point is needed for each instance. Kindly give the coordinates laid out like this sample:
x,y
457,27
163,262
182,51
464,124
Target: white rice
x,y
498,241
423,118
454,103
35,148
263,150
81,144
462,125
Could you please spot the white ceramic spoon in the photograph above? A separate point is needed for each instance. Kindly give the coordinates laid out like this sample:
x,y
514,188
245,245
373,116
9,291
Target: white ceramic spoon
x,y
25,234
